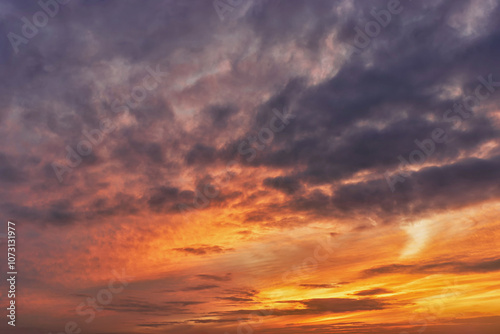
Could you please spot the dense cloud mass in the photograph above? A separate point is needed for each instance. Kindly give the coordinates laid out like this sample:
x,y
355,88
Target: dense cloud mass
x,y
188,129
179,109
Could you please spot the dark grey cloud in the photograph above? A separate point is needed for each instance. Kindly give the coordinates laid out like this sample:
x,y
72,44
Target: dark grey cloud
x,y
203,249
162,195
459,267
318,306
340,305
224,278
10,173
135,305
235,299
219,116
200,287
200,154
463,183
285,184
242,292
373,292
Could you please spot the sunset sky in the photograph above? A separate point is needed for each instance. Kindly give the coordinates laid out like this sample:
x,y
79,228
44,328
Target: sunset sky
x,y
251,166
